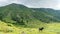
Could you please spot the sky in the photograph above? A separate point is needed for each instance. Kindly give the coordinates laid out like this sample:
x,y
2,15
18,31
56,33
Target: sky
x,y
54,4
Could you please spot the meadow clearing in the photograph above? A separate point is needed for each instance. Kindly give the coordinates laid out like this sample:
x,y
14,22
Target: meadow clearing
x,y
51,28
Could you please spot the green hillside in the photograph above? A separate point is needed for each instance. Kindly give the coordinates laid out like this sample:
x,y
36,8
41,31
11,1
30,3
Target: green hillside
x,y
47,14
19,19
18,14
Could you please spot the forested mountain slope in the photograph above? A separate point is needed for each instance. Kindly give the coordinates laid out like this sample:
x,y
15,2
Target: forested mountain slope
x,y
22,15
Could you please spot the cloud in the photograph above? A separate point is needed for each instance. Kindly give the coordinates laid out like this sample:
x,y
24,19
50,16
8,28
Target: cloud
x,y
4,2
55,4
42,3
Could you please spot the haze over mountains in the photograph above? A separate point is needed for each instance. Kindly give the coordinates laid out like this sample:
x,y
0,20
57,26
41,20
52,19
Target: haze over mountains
x,y
22,15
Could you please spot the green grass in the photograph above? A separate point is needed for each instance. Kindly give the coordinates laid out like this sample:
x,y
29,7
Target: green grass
x,y
51,28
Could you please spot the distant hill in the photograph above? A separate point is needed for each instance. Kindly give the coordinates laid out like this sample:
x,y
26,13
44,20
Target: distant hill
x,y
47,14
22,15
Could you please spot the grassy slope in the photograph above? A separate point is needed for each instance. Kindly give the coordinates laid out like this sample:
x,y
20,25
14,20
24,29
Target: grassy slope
x,y
51,28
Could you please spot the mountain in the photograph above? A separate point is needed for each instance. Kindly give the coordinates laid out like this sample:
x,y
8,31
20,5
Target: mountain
x,y
14,11
17,14
47,14
21,15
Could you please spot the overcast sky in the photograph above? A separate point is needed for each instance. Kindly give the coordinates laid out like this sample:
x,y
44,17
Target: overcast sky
x,y
55,4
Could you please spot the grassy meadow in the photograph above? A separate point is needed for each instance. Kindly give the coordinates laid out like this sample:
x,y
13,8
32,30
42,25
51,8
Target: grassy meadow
x,y
50,28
